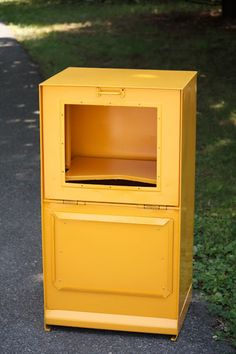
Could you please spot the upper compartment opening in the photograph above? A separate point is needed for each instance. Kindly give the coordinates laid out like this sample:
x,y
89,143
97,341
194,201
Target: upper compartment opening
x,y
111,145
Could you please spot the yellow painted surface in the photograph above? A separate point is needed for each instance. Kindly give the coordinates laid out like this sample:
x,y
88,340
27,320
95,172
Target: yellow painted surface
x,y
111,259
118,256
115,132
133,270
121,78
115,322
187,189
87,168
166,130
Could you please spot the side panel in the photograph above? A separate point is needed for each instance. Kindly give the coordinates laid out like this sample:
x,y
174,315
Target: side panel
x,y
187,191
117,260
42,188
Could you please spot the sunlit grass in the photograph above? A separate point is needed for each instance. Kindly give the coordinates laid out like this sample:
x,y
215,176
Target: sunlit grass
x,y
232,118
37,32
218,105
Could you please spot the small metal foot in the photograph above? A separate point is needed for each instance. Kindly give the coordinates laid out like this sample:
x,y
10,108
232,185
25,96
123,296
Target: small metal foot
x,y
47,327
174,338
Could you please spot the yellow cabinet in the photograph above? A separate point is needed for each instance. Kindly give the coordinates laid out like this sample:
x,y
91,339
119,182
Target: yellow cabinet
x,y
117,163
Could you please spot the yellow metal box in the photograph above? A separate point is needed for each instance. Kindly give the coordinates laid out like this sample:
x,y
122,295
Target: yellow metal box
x,y
117,162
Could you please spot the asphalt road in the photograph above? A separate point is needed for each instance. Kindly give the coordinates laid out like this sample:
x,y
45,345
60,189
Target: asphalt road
x,y
21,294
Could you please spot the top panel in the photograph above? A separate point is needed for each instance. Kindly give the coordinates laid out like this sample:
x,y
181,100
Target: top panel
x,y
129,78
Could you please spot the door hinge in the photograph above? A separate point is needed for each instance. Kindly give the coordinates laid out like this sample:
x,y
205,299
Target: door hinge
x,y
155,207
163,207
73,202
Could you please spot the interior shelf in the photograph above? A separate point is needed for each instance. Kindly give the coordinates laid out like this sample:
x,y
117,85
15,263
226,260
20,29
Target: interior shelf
x,y
98,168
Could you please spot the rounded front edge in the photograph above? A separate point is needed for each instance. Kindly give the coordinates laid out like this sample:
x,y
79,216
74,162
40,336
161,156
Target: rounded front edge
x,y
112,322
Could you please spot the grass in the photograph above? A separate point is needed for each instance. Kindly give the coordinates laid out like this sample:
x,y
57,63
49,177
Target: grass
x,y
161,35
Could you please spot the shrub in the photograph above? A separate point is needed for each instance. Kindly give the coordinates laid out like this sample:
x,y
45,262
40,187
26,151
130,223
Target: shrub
x,y
214,266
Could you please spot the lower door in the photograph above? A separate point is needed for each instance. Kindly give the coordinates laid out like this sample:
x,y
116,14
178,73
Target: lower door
x,y
113,260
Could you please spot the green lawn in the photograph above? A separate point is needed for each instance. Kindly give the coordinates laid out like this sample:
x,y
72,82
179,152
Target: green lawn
x,y
161,35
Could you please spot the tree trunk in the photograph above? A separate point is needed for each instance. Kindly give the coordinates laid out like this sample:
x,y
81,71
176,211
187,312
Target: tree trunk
x,y
229,8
